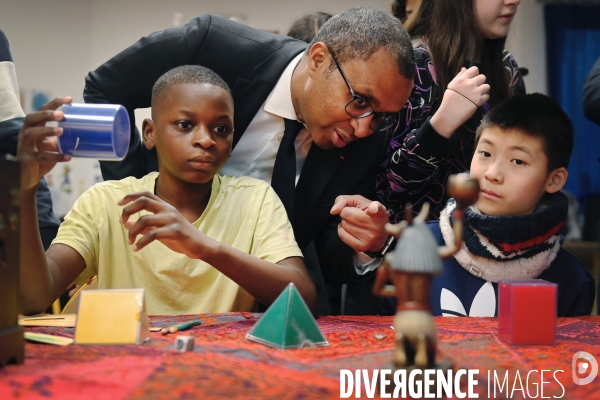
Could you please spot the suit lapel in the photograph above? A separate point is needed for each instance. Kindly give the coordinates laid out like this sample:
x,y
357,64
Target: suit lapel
x,y
250,95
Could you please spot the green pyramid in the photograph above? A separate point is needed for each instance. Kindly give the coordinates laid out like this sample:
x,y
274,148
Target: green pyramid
x,y
287,323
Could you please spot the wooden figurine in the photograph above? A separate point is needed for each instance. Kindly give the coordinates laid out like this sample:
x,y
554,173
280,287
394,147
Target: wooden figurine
x,y
411,268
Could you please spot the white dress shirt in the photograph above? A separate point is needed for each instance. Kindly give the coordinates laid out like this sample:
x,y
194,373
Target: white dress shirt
x,y
254,154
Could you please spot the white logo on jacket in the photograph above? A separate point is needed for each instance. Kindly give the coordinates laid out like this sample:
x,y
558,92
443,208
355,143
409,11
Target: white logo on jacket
x,y
484,303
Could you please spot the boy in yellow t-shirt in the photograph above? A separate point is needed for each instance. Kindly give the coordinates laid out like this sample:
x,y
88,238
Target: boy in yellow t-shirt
x,y
224,241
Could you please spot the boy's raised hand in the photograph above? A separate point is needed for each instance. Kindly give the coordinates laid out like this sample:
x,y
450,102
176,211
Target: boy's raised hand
x,y
37,150
166,225
465,93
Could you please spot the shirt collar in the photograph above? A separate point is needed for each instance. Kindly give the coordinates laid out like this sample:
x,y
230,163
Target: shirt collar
x,y
279,101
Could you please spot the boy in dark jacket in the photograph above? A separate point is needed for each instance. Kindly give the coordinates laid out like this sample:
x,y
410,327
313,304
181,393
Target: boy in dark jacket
x,y
512,232
523,147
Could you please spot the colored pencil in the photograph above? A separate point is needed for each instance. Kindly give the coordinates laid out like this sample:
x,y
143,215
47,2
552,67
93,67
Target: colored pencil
x,y
180,327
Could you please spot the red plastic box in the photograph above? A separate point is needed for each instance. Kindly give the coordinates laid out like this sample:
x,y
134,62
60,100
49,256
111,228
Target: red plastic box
x,y
527,311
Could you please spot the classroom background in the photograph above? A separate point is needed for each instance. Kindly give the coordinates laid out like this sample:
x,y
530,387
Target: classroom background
x,y
55,43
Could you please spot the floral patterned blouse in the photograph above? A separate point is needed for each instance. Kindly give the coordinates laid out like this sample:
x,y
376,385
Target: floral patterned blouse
x,y
418,160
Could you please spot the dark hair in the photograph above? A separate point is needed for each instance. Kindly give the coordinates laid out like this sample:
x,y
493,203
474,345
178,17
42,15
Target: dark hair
x,y
186,74
399,9
307,27
535,115
420,23
450,30
361,31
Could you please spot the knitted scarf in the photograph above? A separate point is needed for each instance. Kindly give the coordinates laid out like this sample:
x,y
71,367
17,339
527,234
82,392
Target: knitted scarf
x,y
508,246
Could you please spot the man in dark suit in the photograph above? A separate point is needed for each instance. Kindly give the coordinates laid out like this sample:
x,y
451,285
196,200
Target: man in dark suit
x,y
352,80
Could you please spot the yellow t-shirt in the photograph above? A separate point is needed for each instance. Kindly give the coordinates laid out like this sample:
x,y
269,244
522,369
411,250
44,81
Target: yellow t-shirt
x,y
244,213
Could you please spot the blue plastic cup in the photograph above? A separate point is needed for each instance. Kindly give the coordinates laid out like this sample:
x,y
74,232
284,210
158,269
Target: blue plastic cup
x,y
100,131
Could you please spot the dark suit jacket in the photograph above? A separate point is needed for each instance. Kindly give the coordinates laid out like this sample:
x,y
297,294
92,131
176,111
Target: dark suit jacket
x,y
251,62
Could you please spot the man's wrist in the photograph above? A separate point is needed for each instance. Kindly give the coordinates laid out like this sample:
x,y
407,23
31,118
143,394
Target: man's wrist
x,y
364,263
387,247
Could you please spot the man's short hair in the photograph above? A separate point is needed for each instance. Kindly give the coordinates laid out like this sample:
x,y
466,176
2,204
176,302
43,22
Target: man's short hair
x,y
186,74
539,116
361,31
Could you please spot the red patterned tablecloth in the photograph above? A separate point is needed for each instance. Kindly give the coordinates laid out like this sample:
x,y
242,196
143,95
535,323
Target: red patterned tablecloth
x,y
226,365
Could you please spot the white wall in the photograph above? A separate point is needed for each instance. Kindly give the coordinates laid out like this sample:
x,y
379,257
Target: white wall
x,y
527,43
113,31
50,43
55,43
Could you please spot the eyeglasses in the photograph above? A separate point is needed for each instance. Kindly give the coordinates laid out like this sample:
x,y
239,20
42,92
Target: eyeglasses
x,y
359,107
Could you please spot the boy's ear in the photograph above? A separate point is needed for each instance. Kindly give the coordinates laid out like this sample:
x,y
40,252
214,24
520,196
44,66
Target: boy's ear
x,y
148,133
556,180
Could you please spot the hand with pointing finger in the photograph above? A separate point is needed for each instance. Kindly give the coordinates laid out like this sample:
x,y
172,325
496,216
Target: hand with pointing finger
x,y
363,222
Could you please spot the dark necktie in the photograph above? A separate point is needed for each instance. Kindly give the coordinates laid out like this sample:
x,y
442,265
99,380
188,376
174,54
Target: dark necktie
x,y
284,170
